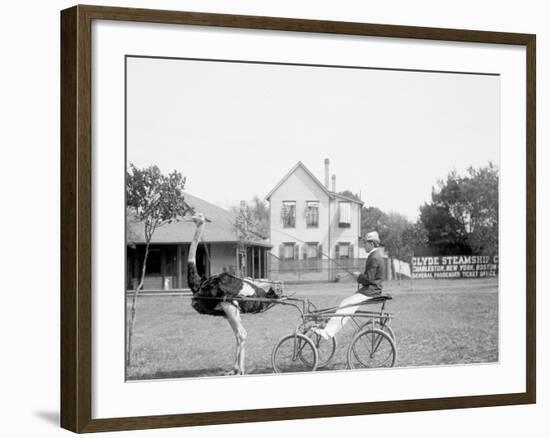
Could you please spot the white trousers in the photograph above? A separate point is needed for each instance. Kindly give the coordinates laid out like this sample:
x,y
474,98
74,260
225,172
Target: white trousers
x,y
336,323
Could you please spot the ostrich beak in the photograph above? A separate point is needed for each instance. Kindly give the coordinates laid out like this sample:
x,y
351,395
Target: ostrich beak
x,y
193,217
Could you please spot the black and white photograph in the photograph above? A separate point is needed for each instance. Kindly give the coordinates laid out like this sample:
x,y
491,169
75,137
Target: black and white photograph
x,y
282,218
285,218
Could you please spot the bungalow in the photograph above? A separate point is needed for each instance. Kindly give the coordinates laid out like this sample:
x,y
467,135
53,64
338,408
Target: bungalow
x,y
167,260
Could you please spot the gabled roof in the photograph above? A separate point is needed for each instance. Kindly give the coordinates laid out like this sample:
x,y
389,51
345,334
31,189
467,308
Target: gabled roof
x,y
219,228
290,172
299,164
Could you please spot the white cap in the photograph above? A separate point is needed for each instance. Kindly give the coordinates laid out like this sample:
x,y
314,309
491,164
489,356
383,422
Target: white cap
x,y
373,236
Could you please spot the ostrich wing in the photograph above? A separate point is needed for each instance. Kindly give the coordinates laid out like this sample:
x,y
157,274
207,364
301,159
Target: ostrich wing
x,y
230,285
218,286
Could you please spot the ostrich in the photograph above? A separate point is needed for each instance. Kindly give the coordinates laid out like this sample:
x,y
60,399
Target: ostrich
x,y
225,287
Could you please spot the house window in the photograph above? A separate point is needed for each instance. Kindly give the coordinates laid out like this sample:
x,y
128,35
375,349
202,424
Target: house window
x,y
312,250
289,249
288,213
344,214
312,214
343,251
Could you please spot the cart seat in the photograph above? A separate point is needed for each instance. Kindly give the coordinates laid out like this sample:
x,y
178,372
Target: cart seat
x,y
378,299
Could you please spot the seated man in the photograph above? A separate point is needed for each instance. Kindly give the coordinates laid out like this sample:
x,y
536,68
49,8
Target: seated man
x,y
371,286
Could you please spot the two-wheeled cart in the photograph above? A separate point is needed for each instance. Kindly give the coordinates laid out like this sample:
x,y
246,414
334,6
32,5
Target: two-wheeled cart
x,y
372,345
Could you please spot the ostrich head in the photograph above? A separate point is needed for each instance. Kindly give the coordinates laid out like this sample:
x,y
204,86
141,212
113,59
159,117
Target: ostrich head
x,y
197,219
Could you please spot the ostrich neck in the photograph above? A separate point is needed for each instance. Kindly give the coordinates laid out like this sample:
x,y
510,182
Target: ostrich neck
x,y
195,243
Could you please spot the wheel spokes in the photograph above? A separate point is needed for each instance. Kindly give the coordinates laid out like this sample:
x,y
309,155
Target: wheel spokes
x,y
372,349
294,353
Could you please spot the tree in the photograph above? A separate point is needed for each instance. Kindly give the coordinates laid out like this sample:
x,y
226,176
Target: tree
x,y
154,200
374,219
445,233
260,212
350,194
481,196
398,235
463,214
395,239
414,237
251,224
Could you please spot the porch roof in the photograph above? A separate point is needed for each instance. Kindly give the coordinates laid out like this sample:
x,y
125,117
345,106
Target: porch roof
x,y
219,229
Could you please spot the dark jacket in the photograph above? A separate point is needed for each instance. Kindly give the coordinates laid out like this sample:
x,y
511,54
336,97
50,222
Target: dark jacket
x,y
371,280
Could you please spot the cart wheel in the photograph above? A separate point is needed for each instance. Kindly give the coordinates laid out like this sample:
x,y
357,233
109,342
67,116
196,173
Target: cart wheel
x,y
372,348
379,326
294,353
325,349
389,331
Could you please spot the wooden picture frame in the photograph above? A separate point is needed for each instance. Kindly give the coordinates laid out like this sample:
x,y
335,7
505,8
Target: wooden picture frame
x,y
76,217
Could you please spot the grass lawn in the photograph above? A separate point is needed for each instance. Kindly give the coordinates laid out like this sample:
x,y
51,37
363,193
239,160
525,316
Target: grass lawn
x,y
435,322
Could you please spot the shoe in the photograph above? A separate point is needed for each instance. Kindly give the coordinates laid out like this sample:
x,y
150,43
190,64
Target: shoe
x,y
321,332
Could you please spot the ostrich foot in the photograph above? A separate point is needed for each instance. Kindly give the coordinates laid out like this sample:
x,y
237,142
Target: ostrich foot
x,y
234,372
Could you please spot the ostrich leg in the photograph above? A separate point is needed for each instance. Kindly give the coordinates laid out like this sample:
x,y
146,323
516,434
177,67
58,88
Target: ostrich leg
x,y
234,317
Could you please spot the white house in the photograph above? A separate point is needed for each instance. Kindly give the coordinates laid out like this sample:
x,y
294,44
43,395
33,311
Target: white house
x,y
308,222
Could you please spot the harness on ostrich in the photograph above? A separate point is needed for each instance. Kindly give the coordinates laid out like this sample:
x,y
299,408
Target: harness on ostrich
x,y
247,294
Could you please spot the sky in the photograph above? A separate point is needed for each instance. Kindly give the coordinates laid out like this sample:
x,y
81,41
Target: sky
x,y
235,129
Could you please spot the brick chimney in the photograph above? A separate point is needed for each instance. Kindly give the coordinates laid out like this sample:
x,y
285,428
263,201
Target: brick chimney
x,y
334,183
